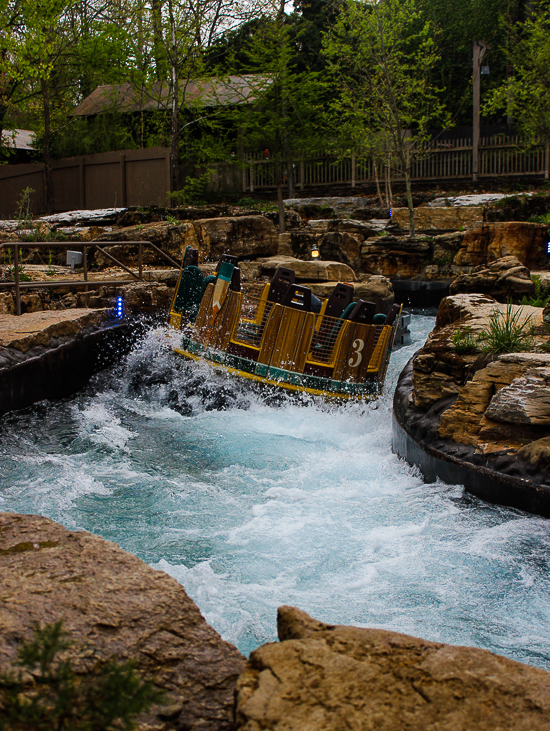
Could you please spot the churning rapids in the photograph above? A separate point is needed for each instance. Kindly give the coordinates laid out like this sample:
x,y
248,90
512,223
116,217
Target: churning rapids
x,y
252,501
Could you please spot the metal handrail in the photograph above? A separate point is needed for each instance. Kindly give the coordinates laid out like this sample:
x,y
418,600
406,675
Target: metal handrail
x,y
75,282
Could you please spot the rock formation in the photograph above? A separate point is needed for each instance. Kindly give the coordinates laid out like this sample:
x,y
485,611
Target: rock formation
x,y
491,241
118,606
309,271
326,677
490,409
504,279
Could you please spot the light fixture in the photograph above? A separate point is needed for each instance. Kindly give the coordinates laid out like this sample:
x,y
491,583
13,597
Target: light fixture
x,y
314,251
119,307
484,71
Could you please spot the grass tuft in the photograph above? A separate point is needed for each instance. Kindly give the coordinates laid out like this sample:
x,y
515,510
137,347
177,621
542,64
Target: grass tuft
x,y
507,333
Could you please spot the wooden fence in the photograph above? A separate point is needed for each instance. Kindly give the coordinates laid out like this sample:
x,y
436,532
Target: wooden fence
x,y
443,160
104,180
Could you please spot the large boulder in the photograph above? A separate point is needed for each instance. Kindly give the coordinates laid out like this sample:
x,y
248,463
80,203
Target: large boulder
x,y
504,279
395,256
171,238
491,241
245,236
326,677
344,247
439,369
112,602
309,271
433,220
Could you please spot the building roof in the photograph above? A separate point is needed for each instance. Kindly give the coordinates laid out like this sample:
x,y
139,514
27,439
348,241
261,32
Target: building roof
x,y
18,139
211,92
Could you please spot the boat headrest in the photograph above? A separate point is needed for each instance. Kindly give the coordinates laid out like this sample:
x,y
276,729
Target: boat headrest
x,y
235,284
297,297
227,258
392,314
339,300
191,257
282,278
363,312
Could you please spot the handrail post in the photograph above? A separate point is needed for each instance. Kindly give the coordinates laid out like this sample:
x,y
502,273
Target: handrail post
x,y
16,276
140,260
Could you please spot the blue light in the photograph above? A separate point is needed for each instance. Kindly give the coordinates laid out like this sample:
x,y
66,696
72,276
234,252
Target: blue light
x,y
548,247
119,309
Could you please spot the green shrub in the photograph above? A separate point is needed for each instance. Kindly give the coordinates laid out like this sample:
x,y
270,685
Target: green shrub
x,y
107,698
464,341
506,334
542,294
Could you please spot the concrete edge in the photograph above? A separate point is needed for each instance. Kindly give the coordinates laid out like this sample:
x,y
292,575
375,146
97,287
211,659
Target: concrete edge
x,y
62,371
487,484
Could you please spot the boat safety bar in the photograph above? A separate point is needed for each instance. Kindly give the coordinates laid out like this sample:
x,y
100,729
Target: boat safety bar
x,y
99,245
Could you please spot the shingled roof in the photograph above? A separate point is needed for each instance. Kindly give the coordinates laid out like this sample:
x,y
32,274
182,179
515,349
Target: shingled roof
x,y
210,92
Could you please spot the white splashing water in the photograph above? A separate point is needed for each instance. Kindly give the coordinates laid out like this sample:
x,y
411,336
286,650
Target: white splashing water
x,y
252,501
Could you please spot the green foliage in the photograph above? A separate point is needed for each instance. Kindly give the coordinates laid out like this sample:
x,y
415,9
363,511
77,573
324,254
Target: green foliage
x,y
381,56
108,698
507,332
192,192
465,341
542,294
524,95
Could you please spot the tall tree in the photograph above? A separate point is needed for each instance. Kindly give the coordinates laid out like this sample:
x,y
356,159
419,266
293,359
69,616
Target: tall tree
x,y
526,93
381,57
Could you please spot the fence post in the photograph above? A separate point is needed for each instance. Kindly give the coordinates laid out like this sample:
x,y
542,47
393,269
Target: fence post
x,y
547,161
251,176
16,276
85,265
353,170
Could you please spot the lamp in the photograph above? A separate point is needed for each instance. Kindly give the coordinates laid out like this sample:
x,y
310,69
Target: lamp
x,y
314,251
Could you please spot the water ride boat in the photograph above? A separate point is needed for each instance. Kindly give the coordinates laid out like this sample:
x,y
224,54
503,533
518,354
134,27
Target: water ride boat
x,y
282,336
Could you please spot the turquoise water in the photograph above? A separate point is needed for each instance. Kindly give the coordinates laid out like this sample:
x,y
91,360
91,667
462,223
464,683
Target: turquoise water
x,y
252,501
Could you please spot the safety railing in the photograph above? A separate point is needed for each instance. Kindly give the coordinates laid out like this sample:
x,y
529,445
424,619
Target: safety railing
x,y
18,285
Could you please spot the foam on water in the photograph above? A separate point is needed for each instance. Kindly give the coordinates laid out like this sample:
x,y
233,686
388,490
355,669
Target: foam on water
x,y
252,500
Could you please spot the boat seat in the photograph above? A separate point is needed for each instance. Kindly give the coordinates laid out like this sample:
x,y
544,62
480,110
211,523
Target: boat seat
x,y
190,291
363,312
235,284
297,297
191,257
392,314
226,258
339,300
281,281
379,319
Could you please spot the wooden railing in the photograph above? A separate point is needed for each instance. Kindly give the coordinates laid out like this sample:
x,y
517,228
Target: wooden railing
x,y
500,156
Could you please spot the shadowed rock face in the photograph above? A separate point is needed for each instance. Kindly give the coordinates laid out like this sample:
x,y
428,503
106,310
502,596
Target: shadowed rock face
x,y
326,678
117,605
504,279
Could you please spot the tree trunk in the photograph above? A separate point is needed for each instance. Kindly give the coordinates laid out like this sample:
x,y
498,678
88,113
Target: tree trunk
x,y
158,41
49,200
174,127
377,183
280,203
409,202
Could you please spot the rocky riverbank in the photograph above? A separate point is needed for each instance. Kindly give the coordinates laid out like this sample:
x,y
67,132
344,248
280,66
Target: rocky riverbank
x,y
318,676
463,401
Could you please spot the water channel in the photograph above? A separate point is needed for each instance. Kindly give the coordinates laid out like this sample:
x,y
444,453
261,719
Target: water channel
x,y
252,501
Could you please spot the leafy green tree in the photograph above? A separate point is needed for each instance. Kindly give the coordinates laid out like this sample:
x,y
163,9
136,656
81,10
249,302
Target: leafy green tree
x,y
109,696
381,56
526,93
